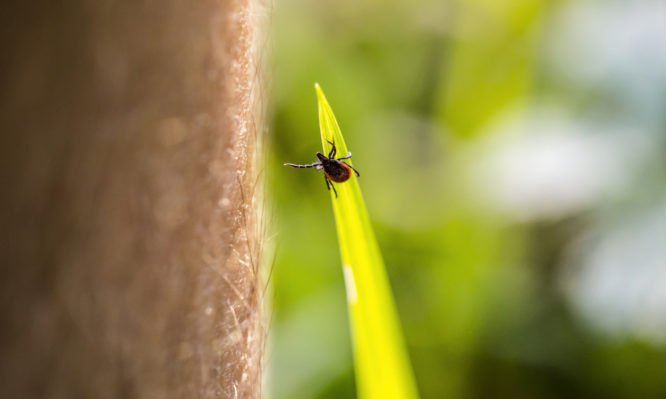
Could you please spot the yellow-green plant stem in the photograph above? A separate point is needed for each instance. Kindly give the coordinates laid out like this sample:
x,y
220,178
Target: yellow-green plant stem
x,y
380,357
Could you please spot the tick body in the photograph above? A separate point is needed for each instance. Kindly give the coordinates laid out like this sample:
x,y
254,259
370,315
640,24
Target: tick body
x,y
335,170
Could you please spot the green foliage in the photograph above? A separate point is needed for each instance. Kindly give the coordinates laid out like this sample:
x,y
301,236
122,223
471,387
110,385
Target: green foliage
x,y
446,106
381,361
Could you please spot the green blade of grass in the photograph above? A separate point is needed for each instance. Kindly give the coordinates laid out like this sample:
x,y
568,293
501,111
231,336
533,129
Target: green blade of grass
x,y
381,362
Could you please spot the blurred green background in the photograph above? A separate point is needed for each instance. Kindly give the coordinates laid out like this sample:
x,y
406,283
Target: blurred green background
x,y
512,157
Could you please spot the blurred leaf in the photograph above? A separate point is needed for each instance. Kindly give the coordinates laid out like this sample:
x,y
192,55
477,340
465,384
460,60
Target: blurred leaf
x,y
381,361
491,64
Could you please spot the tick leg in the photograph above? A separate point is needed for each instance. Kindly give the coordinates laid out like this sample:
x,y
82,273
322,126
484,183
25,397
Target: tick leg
x,y
330,185
347,157
293,165
357,174
332,153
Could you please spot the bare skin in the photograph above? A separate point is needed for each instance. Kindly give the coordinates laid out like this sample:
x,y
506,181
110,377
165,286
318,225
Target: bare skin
x,y
131,237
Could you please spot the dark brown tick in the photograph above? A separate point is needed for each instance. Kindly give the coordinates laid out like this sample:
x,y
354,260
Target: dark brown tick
x,y
334,169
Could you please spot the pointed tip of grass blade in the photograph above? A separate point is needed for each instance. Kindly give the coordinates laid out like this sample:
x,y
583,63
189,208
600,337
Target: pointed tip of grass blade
x,y
321,98
328,125
320,93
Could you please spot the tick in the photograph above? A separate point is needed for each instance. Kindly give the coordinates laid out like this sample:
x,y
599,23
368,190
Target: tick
x,y
334,169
